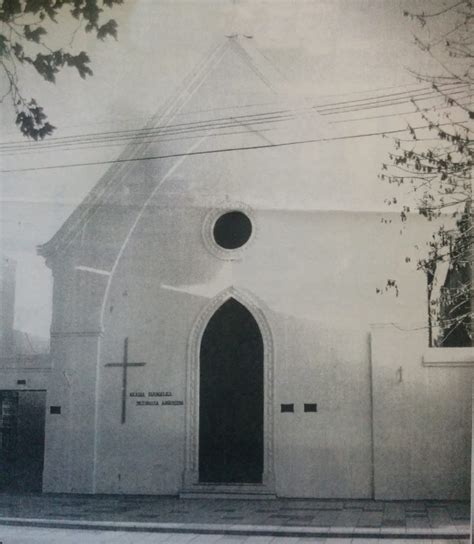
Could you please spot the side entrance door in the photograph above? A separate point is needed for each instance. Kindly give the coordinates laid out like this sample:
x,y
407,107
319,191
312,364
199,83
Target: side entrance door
x,y
22,422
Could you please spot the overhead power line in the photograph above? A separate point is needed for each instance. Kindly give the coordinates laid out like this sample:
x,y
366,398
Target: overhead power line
x,y
177,128
137,142
392,102
265,125
402,94
155,137
412,112
215,151
222,108
324,109
161,134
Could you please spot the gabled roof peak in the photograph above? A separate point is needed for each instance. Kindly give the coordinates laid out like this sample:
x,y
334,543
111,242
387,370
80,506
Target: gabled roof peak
x,y
241,45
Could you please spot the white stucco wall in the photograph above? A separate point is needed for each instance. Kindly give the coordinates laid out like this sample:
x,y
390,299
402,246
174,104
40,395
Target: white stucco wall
x,y
422,419
318,313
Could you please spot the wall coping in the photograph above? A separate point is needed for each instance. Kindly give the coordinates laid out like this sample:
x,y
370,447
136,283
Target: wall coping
x,y
448,357
20,369
79,334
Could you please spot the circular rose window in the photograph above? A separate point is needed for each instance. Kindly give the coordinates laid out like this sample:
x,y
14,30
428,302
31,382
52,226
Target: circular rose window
x,y
232,230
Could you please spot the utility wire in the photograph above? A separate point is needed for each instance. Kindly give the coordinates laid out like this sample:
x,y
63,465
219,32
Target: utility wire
x,y
323,109
401,94
392,102
156,136
194,133
214,151
412,112
163,129
74,147
151,136
222,108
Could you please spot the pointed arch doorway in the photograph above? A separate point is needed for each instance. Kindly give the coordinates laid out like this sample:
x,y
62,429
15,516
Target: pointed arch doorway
x,y
231,397
229,391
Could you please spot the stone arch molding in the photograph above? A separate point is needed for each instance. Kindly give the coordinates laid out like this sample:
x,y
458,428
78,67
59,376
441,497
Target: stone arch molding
x,y
191,472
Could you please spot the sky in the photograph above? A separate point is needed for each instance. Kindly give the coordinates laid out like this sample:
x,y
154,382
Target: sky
x,y
326,50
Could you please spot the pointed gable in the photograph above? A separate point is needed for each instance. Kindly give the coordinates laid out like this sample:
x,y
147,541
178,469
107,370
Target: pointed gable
x,y
228,98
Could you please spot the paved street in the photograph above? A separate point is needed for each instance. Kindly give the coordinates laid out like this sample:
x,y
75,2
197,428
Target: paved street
x,y
24,535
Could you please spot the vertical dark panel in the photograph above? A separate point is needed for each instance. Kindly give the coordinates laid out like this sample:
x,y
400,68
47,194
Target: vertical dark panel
x,y
231,397
22,421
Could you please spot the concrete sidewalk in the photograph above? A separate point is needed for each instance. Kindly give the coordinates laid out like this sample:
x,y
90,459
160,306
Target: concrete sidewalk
x,y
293,518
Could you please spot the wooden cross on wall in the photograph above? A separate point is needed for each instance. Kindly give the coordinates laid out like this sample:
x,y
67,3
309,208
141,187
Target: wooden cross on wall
x,y
125,365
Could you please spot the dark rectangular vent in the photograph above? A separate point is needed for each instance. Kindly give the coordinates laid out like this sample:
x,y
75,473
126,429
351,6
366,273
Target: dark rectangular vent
x,y
287,408
310,407
21,382
55,409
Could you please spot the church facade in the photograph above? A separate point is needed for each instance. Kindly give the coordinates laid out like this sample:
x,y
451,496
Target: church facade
x,y
215,332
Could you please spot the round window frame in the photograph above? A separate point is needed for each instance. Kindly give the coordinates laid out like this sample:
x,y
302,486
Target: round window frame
x,y
208,231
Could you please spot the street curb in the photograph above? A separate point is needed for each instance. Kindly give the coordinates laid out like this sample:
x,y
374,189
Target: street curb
x,y
243,530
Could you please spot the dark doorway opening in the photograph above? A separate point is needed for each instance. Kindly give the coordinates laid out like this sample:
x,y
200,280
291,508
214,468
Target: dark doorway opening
x,y
22,419
231,397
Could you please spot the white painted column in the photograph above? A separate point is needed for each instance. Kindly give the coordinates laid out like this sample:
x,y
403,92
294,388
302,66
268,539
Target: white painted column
x,y
70,445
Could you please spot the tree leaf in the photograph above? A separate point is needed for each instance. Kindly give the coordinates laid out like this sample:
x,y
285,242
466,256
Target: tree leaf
x,y
107,29
34,35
